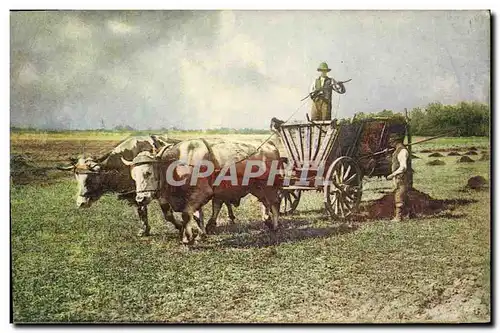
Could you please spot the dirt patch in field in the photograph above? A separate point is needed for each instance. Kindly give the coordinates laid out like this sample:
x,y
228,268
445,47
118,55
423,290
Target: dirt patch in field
x,y
436,162
456,302
421,204
436,154
465,159
24,170
49,151
415,157
35,161
426,151
454,153
458,307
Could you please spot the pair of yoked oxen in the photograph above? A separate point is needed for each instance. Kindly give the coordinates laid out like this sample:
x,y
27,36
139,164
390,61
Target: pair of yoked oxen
x,y
137,167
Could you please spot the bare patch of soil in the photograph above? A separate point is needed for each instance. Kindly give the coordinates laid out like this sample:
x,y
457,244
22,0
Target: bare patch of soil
x,y
420,204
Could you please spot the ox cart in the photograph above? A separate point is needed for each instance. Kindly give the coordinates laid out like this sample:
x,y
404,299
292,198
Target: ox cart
x,y
333,158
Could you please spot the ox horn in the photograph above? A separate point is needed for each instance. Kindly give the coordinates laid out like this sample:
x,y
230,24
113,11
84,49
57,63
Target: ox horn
x,y
65,167
95,167
102,158
162,150
127,163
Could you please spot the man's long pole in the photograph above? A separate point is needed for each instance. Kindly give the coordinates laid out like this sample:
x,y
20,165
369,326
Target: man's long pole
x,y
408,134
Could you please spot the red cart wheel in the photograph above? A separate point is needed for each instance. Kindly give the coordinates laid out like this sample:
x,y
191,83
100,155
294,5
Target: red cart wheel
x,y
343,187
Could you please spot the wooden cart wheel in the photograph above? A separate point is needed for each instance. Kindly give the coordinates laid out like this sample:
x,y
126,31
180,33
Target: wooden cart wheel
x,y
289,200
342,187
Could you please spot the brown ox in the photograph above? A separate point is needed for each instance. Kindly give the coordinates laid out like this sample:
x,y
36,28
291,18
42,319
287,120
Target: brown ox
x,y
183,159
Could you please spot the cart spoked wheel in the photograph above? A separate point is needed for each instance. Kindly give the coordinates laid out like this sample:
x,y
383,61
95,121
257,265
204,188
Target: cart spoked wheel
x,y
289,200
343,187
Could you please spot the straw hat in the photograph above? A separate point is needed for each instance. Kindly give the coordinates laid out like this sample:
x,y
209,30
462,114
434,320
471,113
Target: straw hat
x,y
323,67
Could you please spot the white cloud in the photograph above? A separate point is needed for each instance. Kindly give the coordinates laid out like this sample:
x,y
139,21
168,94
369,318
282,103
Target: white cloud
x,y
121,28
27,74
229,84
75,29
446,88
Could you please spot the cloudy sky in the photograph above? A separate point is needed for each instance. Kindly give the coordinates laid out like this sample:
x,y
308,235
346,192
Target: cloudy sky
x,y
209,69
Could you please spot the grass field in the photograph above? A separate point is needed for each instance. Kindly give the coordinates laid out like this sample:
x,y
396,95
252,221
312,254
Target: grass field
x,y
88,265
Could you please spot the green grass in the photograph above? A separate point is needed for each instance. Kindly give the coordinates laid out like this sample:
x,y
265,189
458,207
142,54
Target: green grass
x,y
88,265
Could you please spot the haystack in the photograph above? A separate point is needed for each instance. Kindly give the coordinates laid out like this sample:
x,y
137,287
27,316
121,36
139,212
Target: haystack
x,y
477,182
465,159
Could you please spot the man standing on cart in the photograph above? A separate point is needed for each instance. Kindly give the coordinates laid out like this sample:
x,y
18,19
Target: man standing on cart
x,y
321,94
401,175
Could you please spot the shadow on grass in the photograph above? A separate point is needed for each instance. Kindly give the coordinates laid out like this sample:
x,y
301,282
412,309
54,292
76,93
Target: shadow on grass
x,y
289,231
254,234
285,222
307,211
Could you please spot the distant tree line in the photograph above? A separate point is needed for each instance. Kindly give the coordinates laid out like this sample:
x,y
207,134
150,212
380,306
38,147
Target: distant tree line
x,y
134,131
462,119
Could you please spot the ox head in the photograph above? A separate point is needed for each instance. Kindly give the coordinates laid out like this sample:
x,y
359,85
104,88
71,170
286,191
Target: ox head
x,y
145,171
88,174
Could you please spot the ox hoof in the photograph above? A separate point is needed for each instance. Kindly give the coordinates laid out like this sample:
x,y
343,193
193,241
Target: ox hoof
x,y
269,224
188,242
185,240
210,229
